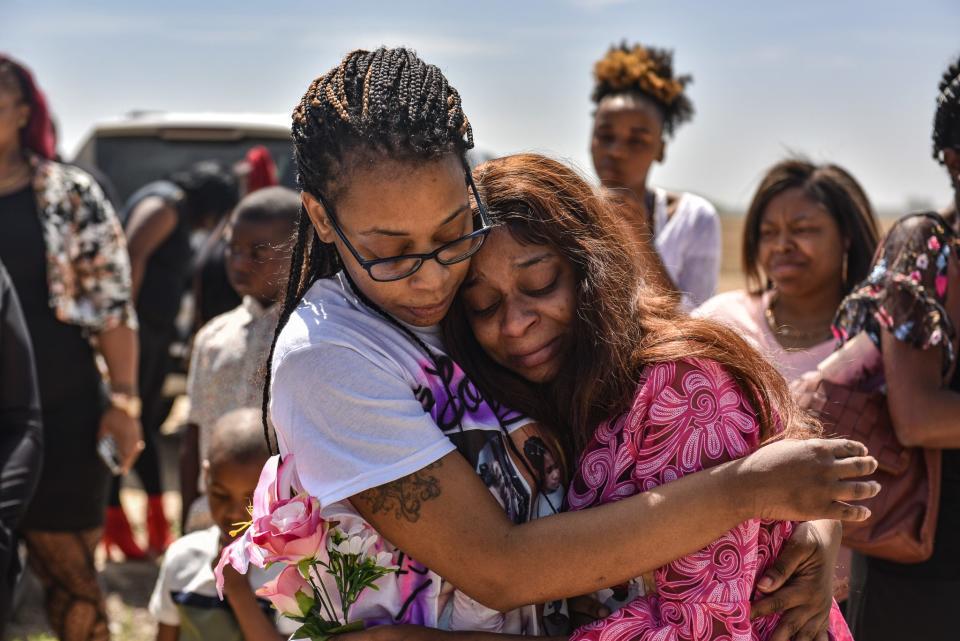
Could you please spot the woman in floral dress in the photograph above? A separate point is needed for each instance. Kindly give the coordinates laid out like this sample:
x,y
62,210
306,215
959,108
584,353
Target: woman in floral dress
x,y
555,318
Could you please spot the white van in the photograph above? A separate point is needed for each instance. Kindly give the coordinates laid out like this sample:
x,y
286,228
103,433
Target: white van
x,y
147,145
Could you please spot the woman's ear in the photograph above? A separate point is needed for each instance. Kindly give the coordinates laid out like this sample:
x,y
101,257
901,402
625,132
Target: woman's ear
x,y
318,216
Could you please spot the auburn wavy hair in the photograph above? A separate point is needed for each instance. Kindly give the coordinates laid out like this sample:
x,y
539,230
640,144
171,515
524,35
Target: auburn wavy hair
x,y
622,322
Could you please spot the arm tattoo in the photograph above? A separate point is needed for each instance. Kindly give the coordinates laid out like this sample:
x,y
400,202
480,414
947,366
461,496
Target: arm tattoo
x,y
405,496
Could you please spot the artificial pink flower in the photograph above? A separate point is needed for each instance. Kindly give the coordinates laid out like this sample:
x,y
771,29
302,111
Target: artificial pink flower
x,y
282,592
277,482
933,243
239,554
291,531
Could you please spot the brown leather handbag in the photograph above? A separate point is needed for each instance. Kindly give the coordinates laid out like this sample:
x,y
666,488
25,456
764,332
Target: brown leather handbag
x,y
846,393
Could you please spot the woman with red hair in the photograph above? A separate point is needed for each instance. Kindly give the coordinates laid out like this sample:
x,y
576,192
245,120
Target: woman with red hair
x,y
64,249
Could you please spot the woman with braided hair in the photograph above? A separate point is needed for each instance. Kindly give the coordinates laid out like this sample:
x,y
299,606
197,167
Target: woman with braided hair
x,y
640,103
910,308
387,431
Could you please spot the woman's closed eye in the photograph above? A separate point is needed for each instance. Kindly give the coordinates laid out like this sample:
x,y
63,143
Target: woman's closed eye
x,y
546,289
483,310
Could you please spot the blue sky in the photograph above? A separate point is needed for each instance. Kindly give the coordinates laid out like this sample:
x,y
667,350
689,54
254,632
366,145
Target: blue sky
x,y
844,81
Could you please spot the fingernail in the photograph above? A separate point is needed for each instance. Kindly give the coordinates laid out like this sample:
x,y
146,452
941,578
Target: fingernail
x,y
603,612
765,583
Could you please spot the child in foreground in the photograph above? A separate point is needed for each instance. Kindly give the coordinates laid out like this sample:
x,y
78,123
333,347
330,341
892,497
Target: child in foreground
x,y
185,601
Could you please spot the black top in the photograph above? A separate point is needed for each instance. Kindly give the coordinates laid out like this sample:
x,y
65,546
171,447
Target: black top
x,y
66,370
168,268
21,431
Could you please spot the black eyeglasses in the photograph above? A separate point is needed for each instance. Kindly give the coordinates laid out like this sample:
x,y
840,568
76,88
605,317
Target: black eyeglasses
x,y
399,267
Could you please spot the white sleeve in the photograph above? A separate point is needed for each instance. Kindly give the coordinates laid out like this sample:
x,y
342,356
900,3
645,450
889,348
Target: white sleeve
x,y
700,271
197,375
352,422
161,605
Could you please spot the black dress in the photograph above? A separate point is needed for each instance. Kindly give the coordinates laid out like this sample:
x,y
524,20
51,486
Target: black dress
x,y
158,302
72,491
904,295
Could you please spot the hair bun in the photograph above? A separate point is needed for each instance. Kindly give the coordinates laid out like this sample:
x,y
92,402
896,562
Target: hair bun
x,y
624,69
647,71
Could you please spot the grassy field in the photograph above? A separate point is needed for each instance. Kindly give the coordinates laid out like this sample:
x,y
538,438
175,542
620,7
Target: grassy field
x,y
731,277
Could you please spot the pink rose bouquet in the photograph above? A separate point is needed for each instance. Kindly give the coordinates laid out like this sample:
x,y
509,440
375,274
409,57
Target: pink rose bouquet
x,y
285,528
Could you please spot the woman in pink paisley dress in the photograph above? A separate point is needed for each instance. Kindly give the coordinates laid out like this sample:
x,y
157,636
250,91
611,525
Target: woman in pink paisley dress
x,y
555,318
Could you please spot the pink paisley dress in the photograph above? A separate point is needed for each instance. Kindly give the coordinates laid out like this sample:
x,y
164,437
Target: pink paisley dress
x,y
687,416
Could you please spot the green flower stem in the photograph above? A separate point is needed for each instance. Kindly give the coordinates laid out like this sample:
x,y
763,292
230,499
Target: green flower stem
x,y
323,601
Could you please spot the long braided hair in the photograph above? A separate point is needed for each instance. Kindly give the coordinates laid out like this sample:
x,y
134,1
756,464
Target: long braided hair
x,y
946,122
386,103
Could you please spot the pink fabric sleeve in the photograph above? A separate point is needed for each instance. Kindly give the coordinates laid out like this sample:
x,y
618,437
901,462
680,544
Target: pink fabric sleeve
x,y
689,416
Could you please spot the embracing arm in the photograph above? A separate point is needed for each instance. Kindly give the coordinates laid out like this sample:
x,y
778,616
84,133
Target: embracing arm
x,y
443,516
923,410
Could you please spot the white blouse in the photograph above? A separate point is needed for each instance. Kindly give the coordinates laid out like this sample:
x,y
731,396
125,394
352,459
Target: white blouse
x,y
689,245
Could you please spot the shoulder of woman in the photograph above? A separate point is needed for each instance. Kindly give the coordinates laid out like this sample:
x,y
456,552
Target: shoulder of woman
x,y
657,376
672,388
695,205
72,179
727,305
74,193
917,230
322,345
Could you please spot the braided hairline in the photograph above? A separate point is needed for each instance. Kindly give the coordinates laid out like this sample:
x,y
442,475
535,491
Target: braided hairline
x,y
947,117
366,103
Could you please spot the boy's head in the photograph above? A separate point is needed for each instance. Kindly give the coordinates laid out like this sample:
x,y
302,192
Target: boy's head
x,y
235,457
258,242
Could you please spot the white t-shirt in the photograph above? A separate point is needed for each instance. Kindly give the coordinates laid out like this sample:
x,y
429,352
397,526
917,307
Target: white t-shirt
x,y
689,245
186,591
360,404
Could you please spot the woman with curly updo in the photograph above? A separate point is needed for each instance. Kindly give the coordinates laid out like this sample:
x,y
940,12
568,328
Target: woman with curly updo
x,y
640,103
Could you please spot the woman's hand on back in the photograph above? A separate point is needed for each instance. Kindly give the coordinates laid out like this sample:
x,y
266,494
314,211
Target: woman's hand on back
x,y
794,480
800,583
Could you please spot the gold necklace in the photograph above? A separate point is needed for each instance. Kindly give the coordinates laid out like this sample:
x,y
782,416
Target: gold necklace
x,y
821,334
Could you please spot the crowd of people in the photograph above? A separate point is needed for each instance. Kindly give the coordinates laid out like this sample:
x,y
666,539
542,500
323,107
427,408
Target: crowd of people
x,y
524,383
